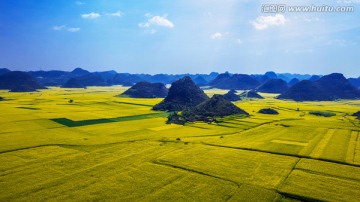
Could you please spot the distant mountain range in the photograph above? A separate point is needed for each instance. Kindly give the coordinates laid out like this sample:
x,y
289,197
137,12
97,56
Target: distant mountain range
x,y
273,86
290,86
327,88
60,78
19,82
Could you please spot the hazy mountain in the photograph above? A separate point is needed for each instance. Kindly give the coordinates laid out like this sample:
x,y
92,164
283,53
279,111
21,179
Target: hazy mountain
x,y
327,88
232,96
90,79
183,94
273,86
236,81
293,81
51,78
125,79
200,81
17,80
4,70
211,76
260,78
355,82
48,74
271,75
147,90
314,78
287,76
79,72
73,83
106,75
251,94
220,79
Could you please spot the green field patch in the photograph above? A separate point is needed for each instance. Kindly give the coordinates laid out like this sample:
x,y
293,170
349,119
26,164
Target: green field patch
x,y
322,113
286,109
227,125
71,123
29,108
242,123
136,104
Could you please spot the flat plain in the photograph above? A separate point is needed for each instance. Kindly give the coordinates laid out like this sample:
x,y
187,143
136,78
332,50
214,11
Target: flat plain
x,y
104,147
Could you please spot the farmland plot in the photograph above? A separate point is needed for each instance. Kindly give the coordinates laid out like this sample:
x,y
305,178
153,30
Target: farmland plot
x,y
104,147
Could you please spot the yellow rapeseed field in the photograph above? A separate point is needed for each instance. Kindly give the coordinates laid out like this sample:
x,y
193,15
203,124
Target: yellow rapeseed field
x,y
109,148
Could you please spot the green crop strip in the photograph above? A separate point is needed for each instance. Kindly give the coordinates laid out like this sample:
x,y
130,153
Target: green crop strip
x,y
29,108
71,123
136,104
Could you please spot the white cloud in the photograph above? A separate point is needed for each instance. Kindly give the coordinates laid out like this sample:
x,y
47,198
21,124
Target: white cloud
x,y
239,41
79,3
64,28
264,22
73,29
156,21
58,28
116,14
218,35
91,15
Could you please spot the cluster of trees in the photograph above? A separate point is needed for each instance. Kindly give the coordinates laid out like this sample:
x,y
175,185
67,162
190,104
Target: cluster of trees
x,y
357,114
189,116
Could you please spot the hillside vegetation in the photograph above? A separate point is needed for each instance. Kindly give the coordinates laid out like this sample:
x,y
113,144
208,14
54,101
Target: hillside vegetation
x,y
183,94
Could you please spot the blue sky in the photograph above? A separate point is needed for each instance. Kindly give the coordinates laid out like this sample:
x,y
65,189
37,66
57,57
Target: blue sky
x,y
179,36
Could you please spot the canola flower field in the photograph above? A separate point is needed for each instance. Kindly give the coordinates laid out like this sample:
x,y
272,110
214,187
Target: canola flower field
x,y
104,147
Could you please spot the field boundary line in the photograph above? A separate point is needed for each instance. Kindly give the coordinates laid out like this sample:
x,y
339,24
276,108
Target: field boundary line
x,y
159,162
136,104
299,197
70,145
287,176
355,149
242,131
326,175
282,154
238,184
